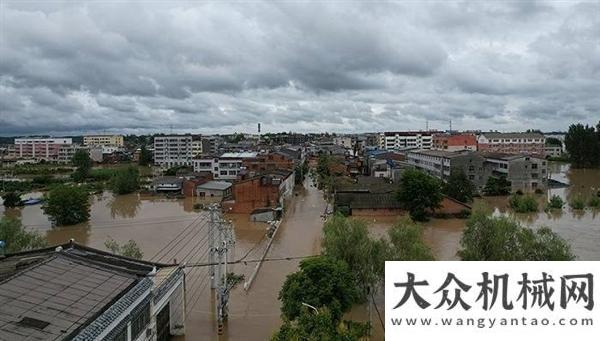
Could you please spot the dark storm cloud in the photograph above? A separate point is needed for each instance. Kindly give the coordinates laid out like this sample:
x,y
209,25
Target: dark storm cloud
x,y
73,67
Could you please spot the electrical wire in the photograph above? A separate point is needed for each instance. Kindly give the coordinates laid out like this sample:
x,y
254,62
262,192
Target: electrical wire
x,y
176,237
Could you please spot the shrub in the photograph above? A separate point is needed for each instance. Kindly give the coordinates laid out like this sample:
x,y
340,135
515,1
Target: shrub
x,y
594,202
519,192
578,203
11,199
523,204
556,202
539,191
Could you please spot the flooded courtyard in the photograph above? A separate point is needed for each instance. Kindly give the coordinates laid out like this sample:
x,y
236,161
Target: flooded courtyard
x,y
154,221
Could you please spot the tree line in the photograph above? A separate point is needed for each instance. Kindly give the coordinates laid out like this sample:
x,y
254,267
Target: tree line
x,y
583,145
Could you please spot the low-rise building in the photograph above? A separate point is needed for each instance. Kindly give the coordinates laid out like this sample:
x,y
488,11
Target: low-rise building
x,y
525,173
442,164
512,143
171,184
344,141
103,140
553,151
265,190
214,190
224,167
67,151
270,161
454,142
46,149
73,292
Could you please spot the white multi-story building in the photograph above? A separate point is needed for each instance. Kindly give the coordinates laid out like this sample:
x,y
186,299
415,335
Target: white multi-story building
x,y
103,140
225,167
174,150
405,140
196,147
46,149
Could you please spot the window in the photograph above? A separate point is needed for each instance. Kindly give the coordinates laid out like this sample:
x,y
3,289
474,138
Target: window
x,y
223,172
140,321
471,177
534,166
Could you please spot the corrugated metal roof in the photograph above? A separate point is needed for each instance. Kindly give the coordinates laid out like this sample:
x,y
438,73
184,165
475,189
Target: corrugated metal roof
x,y
215,185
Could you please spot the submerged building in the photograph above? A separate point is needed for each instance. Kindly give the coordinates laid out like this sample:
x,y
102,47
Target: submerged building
x,y
73,292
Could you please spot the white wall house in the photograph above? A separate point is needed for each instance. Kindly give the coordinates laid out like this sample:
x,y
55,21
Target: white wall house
x,y
170,151
405,140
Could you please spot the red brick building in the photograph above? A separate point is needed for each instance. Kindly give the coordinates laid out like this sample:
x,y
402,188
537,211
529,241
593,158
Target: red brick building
x,y
261,191
454,142
268,162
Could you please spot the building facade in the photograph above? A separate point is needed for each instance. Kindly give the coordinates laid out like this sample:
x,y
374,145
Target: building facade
x,y
46,149
405,140
525,173
512,143
103,140
171,151
270,161
268,190
442,164
454,142
224,167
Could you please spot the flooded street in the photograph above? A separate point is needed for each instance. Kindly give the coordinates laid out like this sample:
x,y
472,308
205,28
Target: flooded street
x,y
154,221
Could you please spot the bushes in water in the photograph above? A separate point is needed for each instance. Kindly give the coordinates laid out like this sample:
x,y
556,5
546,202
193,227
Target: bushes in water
x,y
523,203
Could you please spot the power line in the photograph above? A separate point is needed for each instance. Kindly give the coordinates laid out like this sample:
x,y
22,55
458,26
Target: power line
x,y
192,265
189,240
177,236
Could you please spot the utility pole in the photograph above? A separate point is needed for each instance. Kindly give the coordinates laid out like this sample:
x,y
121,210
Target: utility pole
x,y
222,242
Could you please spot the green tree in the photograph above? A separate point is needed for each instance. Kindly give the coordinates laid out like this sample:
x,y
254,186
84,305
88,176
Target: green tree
x,y
347,240
16,238
555,202
320,326
407,243
489,238
145,156
497,186
67,205
418,193
81,160
553,141
129,249
523,203
459,186
126,180
11,199
321,282
583,145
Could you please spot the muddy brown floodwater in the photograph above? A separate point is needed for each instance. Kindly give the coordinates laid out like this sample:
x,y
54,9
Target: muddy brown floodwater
x,y
154,221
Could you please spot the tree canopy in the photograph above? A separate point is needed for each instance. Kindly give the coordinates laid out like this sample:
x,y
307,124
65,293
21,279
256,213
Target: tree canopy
x,y
320,282
67,205
320,326
126,180
583,145
11,199
145,156
129,249
497,186
81,160
459,186
419,192
16,238
489,238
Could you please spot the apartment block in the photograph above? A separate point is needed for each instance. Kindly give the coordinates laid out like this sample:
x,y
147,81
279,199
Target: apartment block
x,y
270,161
344,141
454,142
267,190
174,150
512,143
196,147
405,140
442,164
103,140
525,173
47,149
224,167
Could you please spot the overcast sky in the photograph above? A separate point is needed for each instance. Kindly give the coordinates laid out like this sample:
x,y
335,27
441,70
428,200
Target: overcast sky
x,y
214,67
